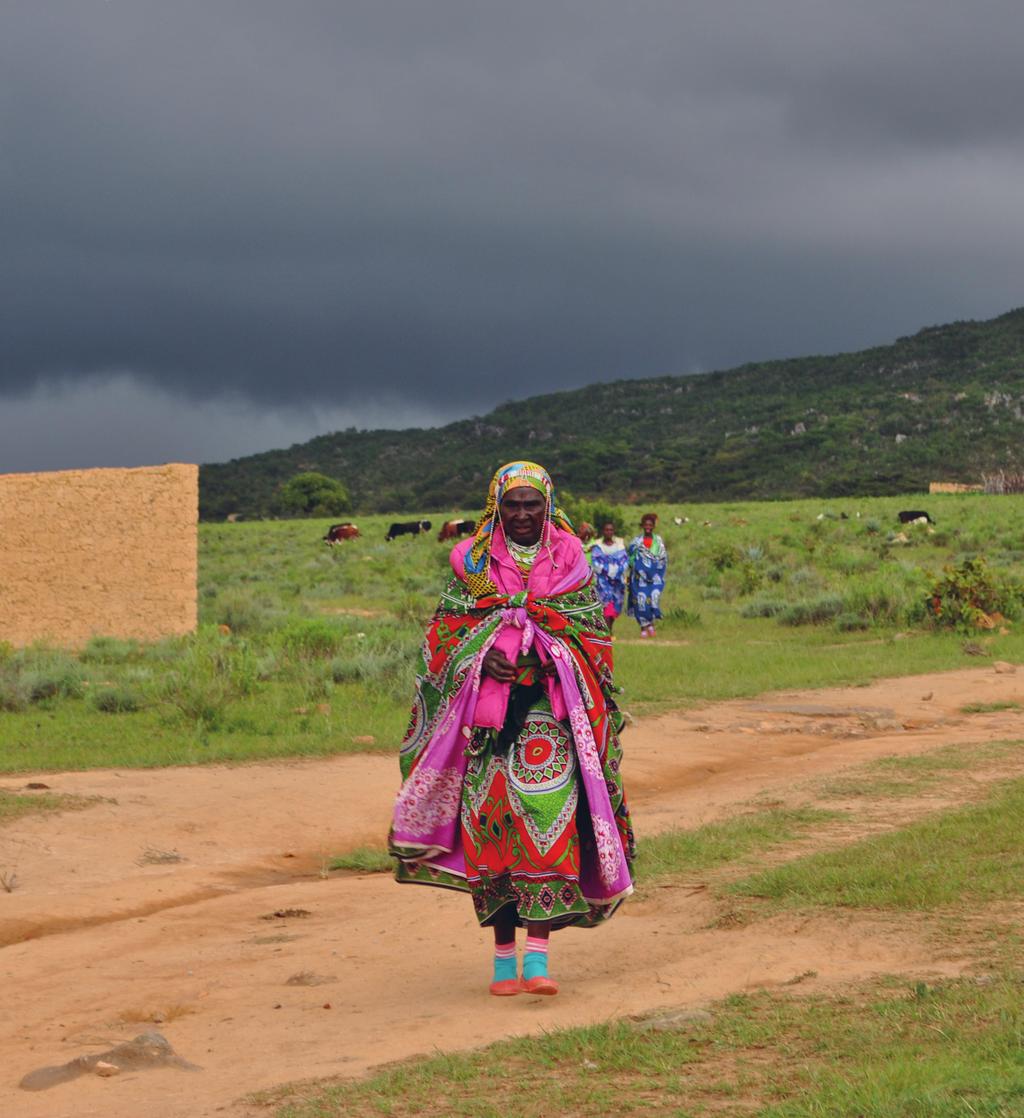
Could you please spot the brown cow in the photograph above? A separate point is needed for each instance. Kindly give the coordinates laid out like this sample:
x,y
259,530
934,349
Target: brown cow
x,y
338,532
453,529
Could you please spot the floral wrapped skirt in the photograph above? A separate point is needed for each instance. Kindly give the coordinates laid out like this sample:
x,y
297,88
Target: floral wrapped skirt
x,y
521,831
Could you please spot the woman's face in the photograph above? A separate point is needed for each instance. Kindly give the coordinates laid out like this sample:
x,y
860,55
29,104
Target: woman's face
x,y
522,514
608,531
647,524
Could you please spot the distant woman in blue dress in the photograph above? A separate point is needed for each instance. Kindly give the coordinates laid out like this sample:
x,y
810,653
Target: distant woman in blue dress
x,y
611,570
648,562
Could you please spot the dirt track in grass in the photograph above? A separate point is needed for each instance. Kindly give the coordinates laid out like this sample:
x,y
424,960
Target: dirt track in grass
x,y
159,902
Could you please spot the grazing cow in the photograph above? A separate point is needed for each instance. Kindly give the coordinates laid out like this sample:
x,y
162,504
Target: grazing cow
x,y
408,528
914,516
679,521
453,529
338,532
585,531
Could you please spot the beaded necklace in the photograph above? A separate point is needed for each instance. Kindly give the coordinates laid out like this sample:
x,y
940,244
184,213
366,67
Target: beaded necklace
x,y
523,554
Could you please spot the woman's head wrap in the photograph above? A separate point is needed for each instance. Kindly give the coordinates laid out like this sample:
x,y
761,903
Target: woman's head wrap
x,y
513,475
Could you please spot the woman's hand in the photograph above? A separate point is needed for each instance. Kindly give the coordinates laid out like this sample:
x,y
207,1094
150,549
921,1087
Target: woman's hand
x,y
498,666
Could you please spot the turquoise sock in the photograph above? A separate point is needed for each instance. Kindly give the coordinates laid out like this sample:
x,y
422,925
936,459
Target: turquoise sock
x,y
505,963
535,960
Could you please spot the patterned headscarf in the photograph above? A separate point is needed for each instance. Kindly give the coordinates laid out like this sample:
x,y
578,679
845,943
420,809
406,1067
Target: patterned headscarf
x,y
511,476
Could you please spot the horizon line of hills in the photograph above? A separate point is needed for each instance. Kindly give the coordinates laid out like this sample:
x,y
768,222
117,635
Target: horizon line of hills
x,y
946,403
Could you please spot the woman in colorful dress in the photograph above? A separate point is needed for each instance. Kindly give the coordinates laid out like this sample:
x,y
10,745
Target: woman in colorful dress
x,y
648,562
611,569
511,788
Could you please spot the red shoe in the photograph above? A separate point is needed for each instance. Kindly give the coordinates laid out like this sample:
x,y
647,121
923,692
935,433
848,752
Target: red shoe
x,y
506,988
541,984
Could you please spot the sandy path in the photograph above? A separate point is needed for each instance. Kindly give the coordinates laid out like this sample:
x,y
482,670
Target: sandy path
x,y
99,935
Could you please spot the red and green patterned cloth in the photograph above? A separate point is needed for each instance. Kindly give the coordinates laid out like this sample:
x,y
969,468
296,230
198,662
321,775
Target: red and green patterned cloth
x,y
525,831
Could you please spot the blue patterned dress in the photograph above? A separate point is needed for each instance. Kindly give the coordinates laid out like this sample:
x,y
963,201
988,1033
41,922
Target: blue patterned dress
x,y
611,569
646,579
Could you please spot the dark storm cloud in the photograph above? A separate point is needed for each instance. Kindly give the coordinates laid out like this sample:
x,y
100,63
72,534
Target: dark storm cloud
x,y
335,204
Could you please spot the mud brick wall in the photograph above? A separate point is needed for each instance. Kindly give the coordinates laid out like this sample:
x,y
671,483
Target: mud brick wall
x,y
98,552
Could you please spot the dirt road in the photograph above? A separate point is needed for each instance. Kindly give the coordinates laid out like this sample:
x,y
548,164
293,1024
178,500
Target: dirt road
x,y
154,908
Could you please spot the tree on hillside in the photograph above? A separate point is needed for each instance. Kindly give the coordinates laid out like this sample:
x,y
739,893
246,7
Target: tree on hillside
x,y
313,494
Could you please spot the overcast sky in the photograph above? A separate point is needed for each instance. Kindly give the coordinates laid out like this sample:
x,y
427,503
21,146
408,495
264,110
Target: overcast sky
x,y
229,225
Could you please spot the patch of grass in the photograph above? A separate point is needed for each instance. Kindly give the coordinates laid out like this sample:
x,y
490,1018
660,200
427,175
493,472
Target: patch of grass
x,y
968,856
714,844
15,805
903,776
364,859
891,1050
949,758
867,786
988,708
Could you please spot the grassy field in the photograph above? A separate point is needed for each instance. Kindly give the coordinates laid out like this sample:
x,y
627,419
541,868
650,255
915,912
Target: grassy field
x,y
305,650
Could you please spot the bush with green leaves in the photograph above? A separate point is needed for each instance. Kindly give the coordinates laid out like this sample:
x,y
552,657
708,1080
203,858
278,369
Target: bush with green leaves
x,y
966,596
312,494
595,513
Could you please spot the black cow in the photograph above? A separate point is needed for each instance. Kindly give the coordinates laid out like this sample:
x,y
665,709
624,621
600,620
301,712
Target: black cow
x,y
409,528
912,516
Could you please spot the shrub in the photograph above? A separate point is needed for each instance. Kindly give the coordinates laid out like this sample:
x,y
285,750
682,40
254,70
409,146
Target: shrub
x,y
14,692
763,607
751,577
212,672
311,638
687,618
851,622
52,682
888,596
111,650
595,513
382,668
240,610
34,676
119,699
721,556
966,595
312,494
316,681
812,612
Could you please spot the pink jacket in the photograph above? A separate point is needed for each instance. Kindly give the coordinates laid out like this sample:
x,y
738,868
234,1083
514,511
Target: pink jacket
x,y
556,569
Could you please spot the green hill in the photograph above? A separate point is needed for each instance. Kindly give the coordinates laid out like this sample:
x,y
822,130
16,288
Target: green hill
x,y
946,403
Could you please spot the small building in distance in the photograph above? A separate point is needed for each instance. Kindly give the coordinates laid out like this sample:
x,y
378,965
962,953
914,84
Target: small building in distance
x,y
953,487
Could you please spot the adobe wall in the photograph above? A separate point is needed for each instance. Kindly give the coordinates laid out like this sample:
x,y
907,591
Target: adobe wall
x,y
98,552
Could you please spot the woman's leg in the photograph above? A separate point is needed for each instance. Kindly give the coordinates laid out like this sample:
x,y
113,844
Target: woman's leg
x,y
535,960
506,974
